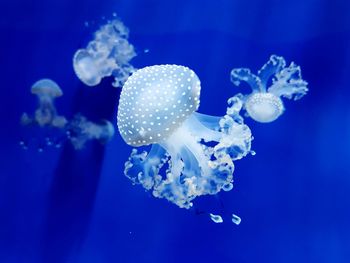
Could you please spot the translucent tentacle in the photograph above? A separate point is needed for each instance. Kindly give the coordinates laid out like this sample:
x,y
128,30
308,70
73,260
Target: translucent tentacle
x,y
289,83
143,168
272,67
235,105
243,74
209,121
195,168
206,127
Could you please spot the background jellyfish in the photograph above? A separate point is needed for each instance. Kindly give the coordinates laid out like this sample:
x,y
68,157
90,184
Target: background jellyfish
x,y
264,104
56,129
192,154
107,54
80,130
46,114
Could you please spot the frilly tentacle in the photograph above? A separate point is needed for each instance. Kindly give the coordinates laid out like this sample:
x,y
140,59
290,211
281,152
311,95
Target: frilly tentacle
x,y
199,157
243,74
288,83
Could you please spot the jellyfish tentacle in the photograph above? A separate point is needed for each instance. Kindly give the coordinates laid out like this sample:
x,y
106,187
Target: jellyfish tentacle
x,y
245,75
206,127
271,68
289,83
143,168
209,121
196,169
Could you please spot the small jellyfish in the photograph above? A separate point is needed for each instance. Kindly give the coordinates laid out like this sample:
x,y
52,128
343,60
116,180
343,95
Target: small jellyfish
x,y
264,104
107,54
216,218
46,114
192,154
80,130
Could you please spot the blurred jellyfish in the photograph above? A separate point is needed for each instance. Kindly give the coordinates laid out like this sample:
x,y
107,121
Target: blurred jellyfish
x,y
192,154
46,114
107,54
264,104
80,130
54,129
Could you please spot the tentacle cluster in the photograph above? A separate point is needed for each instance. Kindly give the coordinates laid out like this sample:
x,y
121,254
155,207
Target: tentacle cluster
x,y
196,160
286,81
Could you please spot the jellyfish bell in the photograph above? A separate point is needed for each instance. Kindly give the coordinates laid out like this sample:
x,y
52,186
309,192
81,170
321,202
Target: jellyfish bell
x,y
85,67
47,91
46,88
264,107
155,101
158,106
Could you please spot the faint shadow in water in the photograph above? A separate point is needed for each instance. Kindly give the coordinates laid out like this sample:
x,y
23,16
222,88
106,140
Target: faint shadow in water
x,y
75,183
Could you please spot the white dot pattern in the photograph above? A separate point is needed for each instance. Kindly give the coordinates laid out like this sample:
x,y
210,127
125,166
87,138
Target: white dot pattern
x,y
155,101
264,107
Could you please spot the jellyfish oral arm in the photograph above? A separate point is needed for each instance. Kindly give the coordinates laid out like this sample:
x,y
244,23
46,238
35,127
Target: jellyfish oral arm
x,y
194,169
289,84
244,75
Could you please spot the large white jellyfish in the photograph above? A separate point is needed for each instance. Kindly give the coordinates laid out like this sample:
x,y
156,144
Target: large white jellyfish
x,y
107,54
264,104
192,154
46,114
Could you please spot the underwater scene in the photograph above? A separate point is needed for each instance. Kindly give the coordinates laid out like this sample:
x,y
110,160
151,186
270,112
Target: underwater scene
x,y
147,131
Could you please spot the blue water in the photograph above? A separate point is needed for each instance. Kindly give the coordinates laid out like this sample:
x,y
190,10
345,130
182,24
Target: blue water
x,y
77,206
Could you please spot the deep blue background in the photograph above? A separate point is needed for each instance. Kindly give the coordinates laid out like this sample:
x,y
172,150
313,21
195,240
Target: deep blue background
x,y
77,206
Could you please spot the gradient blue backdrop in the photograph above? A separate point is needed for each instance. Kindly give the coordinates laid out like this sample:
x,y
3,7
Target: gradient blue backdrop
x,y
69,206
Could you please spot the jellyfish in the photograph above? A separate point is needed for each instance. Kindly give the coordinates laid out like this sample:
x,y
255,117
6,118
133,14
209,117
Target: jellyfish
x,y
264,104
80,130
107,54
46,114
191,153
57,129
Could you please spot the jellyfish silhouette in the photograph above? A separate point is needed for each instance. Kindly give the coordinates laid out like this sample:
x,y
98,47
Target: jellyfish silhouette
x,y
46,114
57,128
107,54
264,104
192,154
